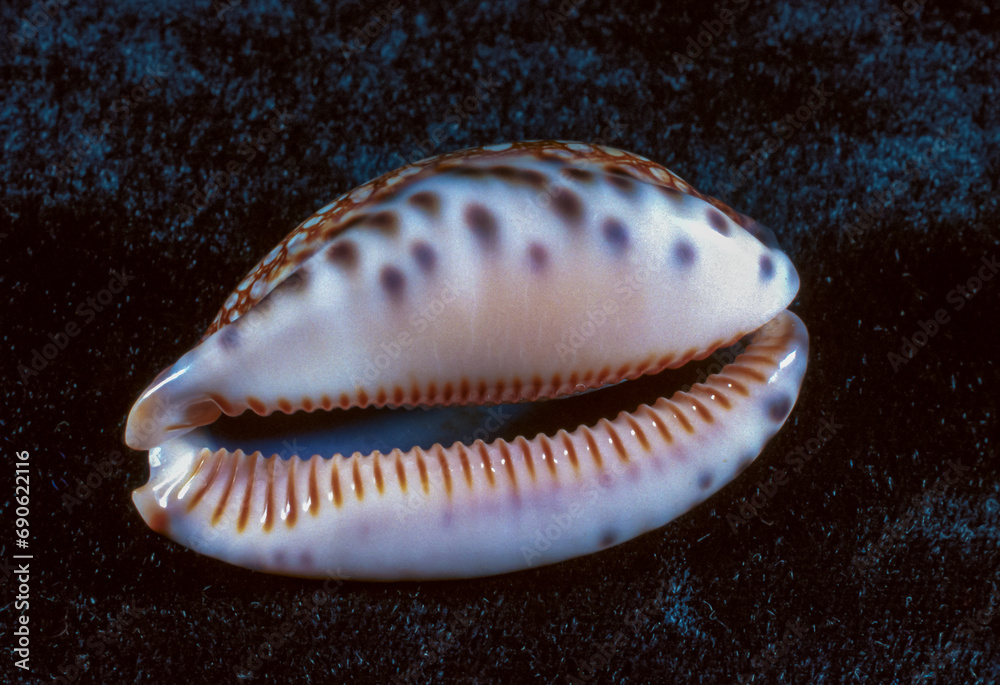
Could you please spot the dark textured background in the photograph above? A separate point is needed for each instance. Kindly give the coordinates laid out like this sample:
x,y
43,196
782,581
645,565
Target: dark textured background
x,y
799,593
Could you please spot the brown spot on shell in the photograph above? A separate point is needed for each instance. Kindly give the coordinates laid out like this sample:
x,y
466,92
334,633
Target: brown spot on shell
x,y
512,174
426,201
718,222
229,337
766,268
465,170
778,408
343,253
581,175
483,225
538,256
621,179
392,281
615,235
385,222
684,254
352,222
424,255
567,205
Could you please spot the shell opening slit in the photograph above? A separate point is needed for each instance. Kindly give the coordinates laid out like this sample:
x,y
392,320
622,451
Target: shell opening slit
x,y
467,353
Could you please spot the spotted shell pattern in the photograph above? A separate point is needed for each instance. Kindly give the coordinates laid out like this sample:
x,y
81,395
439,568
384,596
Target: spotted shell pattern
x,y
352,208
527,236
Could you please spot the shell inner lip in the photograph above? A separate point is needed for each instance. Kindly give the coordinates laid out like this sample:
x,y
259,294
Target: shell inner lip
x,y
345,432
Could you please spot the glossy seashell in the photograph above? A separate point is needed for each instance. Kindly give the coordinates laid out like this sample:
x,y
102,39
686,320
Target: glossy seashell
x,y
495,284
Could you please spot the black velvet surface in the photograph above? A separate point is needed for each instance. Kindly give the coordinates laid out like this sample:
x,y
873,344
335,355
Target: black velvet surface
x,y
865,134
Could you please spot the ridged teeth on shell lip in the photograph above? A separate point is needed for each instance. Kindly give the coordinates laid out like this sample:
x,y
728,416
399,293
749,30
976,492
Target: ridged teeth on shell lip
x,y
237,492
480,392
